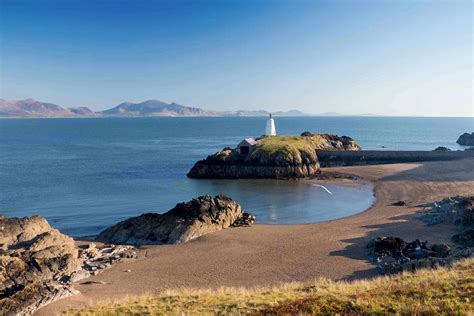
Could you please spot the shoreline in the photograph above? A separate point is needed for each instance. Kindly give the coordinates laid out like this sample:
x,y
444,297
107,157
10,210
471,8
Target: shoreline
x,y
266,255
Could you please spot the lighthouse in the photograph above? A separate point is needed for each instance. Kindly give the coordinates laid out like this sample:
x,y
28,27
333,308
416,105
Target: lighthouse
x,y
270,131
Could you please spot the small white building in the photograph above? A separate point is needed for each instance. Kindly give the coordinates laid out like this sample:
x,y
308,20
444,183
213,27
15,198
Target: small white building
x,y
270,130
246,145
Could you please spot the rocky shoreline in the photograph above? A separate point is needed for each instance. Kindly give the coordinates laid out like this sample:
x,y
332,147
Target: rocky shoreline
x,y
38,263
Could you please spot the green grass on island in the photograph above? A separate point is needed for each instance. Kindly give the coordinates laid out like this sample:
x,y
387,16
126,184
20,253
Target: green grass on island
x,y
433,292
283,150
295,149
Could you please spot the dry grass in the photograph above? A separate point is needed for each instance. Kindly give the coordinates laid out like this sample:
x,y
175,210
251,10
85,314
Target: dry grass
x,y
290,149
447,291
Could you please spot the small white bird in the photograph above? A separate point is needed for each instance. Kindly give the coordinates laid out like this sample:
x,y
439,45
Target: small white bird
x,y
322,186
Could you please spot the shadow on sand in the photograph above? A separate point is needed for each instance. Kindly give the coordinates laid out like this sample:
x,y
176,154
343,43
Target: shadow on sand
x,y
408,226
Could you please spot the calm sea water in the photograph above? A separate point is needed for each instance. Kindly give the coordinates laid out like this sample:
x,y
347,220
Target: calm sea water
x,y
86,174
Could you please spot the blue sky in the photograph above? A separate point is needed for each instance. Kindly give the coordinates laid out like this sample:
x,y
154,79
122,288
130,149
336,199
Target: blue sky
x,y
383,57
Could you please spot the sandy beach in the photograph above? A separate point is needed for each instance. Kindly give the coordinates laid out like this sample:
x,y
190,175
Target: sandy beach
x,y
264,255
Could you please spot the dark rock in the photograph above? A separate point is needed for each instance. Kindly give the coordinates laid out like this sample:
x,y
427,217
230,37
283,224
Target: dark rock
x,y
441,148
93,283
245,220
399,203
394,255
391,246
186,221
466,139
305,134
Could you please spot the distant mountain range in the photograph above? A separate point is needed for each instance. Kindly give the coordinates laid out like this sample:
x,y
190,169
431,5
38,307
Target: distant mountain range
x,y
155,108
30,108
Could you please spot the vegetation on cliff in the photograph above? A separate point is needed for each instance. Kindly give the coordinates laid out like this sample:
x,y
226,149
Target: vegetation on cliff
x,y
436,291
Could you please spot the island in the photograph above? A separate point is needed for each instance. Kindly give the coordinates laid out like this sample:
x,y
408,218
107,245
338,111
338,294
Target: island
x,y
271,157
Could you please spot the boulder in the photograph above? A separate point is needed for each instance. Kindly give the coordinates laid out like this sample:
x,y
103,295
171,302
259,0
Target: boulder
x,y
185,222
466,139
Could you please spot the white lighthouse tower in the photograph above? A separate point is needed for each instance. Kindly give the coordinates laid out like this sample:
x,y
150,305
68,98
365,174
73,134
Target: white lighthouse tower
x,y
270,130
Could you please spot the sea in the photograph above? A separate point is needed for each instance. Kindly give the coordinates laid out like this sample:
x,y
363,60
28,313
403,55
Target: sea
x,y
84,175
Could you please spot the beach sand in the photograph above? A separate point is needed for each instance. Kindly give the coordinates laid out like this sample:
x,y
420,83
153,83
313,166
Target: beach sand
x,y
264,255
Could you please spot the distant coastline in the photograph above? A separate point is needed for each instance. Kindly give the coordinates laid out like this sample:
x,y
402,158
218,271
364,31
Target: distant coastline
x,y
30,108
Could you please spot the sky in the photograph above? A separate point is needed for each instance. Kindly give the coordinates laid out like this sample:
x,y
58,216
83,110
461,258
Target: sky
x,y
353,57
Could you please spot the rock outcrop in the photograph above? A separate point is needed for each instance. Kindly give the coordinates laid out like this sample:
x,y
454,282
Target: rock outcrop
x,y
393,254
272,157
466,139
458,210
38,264
33,258
334,142
185,222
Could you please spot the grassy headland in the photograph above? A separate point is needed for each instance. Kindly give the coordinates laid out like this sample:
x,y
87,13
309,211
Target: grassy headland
x,y
297,149
436,291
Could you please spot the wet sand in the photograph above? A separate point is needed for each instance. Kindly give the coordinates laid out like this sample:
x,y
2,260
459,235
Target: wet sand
x,y
265,255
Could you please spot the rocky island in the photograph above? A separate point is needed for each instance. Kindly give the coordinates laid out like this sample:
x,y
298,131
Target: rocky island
x,y
271,157
466,139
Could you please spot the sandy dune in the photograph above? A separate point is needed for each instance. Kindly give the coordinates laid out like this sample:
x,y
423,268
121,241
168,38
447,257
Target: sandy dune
x,y
266,254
